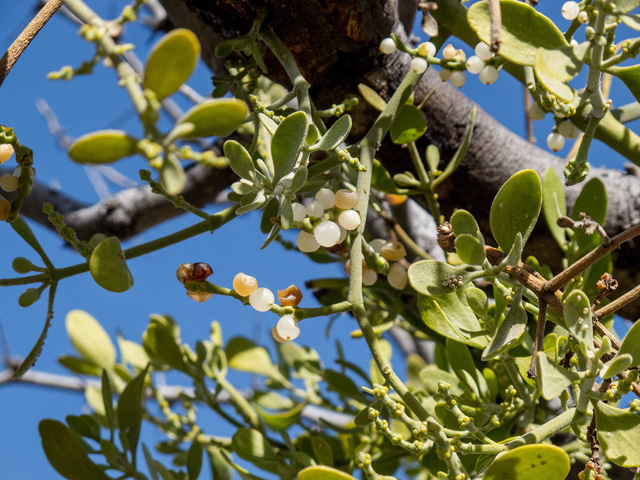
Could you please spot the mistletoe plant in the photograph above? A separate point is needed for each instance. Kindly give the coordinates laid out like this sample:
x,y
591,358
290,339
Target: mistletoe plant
x,y
510,337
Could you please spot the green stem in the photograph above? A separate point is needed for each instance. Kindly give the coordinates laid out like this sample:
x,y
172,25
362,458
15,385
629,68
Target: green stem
x,y
427,188
22,228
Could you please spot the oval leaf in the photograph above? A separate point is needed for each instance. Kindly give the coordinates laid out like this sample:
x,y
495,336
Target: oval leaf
x,y
554,205
408,126
161,344
516,208
90,339
171,62
431,277
108,266
631,344
553,378
554,68
218,116
335,135
372,97
509,332
523,31
244,355
103,146
172,175
194,460
470,250
462,222
530,462
617,365
65,453
630,76
577,316
130,409
618,434
239,160
322,472
592,201
286,144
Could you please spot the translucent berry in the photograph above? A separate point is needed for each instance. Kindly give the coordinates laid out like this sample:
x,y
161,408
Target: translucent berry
x,y
387,46
315,209
349,219
6,150
555,141
484,51
418,65
449,52
346,198
307,242
369,277
397,276
200,297
5,209
9,183
488,75
566,129
475,65
377,244
244,285
457,78
583,17
445,74
326,197
570,10
18,171
193,272
536,112
299,212
327,233
290,296
261,299
393,251
287,328
427,49
276,337
343,234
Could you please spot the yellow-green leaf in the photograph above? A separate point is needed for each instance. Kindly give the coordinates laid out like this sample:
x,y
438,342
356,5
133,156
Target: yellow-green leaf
x,y
530,462
244,355
322,472
618,434
171,62
109,268
103,146
90,339
218,116
554,68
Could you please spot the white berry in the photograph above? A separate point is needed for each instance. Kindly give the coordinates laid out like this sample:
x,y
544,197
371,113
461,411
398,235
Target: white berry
x,y
397,276
536,112
6,150
555,141
9,183
418,65
287,328
244,285
387,46
326,197
449,52
377,244
570,10
18,171
349,219
343,234
457,78
427,49
484,51
315,209
327,233
566,129
307,242
445,74
583,17
346,198
262,299
475,65
369,277
299,212
488,75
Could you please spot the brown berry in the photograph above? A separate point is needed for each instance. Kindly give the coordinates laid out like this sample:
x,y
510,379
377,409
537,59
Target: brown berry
x,y
290,296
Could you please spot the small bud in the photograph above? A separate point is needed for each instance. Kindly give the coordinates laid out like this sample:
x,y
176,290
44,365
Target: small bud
x,y
29,297
22,265
449,52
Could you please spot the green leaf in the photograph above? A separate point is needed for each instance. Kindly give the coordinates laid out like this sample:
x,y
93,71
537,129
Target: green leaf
x,y
592,201
65,453
464,367
516,208
631,21
362,419
450,317
270,211
79,365
462,222
130,409
109,268
530,462
618,434
246,356
280,420
103,146
90,340
171,62
625,6
577,316
631,344
107,400
335,135
470,249
616,365
216,117
509,332
84,425
341,384
554,205
523,31
371,97
287,142
322,472
408,126
555,68
553,378
194,460
381,179
286,213
431,277
172,175
160,343
477,300
252,446
299,178
132,353
433,157
322,450
220,469
239,160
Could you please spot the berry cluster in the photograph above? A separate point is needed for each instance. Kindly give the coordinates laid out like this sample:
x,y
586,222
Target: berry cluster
x,y
392,251
9,181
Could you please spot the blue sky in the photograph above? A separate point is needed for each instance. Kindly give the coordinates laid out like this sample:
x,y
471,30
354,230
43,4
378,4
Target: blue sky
x,y
95,102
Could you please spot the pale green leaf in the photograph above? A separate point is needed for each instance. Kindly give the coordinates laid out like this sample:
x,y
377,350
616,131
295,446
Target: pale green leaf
x,y
172,175
554,205
218,116
335,135
555,68
287,142
470,249
90,340
103,146
509,332
408,125
577,316
371,97
431,277
530,462
245,355
239,160
108,266
618,434
323,472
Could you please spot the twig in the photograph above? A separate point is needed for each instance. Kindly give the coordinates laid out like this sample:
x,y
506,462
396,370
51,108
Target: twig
x,y
20,44
531,136
532,372
618,303
495,14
